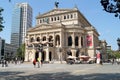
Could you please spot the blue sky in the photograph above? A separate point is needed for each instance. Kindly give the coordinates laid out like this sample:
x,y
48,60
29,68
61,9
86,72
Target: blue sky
x,y
106,24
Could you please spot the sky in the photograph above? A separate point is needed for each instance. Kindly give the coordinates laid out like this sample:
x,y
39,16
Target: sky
x,y
106,24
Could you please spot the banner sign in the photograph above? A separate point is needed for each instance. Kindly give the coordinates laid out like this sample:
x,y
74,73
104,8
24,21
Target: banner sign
x,y
89,40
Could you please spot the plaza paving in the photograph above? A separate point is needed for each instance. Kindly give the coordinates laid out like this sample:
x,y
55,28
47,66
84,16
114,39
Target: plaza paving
x,y
26,71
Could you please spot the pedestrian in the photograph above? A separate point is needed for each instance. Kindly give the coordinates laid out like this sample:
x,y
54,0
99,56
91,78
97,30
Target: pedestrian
x,y
5,63
2,63
34,63
101,59
41,62
113,60
38,61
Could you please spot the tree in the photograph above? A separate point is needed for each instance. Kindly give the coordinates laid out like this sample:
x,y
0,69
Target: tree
x,y
21,52
110,54
1,19
111,6
117,54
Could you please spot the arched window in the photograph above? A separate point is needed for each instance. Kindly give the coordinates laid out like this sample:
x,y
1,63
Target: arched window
x,y
69,41
58,18
44,38
67,16
82,41
76,40
50,38
51,41
57,40
31,39
64,16
51,18
38,39
40,21
71,15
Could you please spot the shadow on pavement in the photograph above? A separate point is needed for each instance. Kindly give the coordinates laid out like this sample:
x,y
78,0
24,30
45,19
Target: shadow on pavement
x,y
59,76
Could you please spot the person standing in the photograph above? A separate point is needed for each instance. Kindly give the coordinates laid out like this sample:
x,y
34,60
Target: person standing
x,y
99,57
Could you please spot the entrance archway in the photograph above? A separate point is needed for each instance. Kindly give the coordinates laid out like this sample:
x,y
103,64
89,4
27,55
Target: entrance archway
x,y
43,55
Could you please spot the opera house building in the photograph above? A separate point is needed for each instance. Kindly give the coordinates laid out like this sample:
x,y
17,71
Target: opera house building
x,y
59,33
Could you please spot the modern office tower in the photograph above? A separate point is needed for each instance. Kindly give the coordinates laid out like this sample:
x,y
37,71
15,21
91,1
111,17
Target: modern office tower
x,y
21,21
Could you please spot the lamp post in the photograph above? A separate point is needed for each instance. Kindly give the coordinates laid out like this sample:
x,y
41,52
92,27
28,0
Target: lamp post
x,y
111,6
118,42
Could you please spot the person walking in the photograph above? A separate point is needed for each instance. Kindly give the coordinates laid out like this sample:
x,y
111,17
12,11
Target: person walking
x,y
2,63
113,61
38,61
34,63
41,62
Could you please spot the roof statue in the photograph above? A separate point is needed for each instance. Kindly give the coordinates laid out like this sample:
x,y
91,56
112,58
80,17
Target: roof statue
x,y
56,4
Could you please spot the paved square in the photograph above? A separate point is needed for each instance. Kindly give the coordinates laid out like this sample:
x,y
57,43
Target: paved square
x,y
26,71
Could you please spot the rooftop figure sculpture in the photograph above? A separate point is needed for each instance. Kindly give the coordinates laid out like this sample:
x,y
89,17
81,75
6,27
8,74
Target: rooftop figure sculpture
x,y
56,4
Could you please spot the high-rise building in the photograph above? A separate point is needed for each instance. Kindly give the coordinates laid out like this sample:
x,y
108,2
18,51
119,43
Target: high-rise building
x,y
2,47
21,21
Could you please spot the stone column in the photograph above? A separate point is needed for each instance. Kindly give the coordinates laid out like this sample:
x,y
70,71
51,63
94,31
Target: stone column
x,y
40,53
34,37
33,51
53,39
47,51
26,55
47,55
60,39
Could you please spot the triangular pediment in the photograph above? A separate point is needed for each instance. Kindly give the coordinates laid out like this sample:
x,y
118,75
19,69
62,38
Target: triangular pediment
x,y
39,27
45,26
55,11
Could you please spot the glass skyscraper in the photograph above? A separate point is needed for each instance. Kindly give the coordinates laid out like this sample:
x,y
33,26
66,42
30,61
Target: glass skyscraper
x,y
21,21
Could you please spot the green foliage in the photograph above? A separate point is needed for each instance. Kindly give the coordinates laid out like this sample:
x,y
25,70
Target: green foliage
x,y
21,52
117,54
110,54
114,54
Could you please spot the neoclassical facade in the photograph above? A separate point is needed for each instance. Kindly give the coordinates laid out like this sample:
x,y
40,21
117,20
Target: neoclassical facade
x,y
60,33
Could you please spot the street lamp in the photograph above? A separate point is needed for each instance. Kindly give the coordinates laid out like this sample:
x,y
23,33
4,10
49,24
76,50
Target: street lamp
x,y
111,6
118,42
